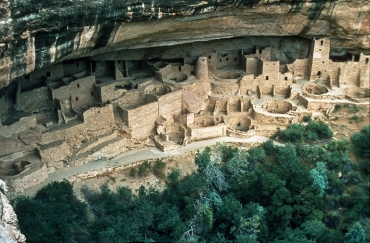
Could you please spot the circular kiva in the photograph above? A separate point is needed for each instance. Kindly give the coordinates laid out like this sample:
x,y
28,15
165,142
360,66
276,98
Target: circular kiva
x,y
315,89
277,106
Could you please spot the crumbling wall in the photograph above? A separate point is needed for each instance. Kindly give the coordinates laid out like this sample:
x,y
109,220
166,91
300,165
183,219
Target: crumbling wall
x,y
55,153
247,83
201,133
224,88
267,119
23,124
228,59
28,178
38,77
266,89
170,104
73,67
299,68
282,90
233,104
110,91
132,99
31,101
141,120
202,88
97,121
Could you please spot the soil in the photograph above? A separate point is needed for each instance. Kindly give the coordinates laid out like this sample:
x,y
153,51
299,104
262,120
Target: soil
x,y
343,124
123,178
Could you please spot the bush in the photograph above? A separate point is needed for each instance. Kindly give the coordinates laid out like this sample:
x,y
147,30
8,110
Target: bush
x,y
159,168
144,169
361,142
319,128
269,147
294,134
133,172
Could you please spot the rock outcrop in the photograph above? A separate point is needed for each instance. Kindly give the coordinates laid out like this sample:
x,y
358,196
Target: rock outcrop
x,y
34,34
9,230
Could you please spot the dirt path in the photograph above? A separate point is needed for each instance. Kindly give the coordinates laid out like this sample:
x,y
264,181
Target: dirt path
x,y
135,156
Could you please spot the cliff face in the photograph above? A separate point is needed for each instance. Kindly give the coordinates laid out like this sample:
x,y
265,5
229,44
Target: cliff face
x,y
9,230
36,33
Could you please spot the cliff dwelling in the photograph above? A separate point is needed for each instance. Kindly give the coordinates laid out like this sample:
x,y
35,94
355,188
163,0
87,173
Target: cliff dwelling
x,y
81,110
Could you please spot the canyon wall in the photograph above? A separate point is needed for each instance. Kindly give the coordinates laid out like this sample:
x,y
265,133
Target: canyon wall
x,y
34,33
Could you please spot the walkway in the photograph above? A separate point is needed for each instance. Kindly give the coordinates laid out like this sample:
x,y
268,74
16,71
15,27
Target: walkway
x,y
134,156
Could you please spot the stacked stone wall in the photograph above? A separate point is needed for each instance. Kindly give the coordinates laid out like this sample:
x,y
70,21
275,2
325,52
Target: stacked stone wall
x,y
23,124
35,99
170,104
201,133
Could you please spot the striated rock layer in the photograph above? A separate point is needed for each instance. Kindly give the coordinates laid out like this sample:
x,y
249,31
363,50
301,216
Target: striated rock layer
x,y
34,33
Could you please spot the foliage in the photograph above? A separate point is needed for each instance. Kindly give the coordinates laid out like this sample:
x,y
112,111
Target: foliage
x,y
158,169
297,133
56,211
290,193
361,142
319,176
355,235
144,169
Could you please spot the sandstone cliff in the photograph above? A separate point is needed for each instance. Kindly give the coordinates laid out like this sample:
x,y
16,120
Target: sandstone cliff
x,y
35,33
9,230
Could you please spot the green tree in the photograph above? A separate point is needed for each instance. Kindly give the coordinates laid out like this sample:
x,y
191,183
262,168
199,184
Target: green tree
x,y
355,235
361,142
319,176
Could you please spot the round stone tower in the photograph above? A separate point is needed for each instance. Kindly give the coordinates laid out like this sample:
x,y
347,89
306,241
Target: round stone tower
x,y
201,70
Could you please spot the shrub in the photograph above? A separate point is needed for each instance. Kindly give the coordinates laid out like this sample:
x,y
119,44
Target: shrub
x,y
159,169
133,172
361,142
144,169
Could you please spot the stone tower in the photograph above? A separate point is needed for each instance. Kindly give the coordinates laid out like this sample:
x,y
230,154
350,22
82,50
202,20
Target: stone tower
x,y
201,69
319,58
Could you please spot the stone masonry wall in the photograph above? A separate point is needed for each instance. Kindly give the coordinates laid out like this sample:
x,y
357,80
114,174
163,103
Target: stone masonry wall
x,y
54,155
170,104
142,120
80,91
22,125
35,99
201,133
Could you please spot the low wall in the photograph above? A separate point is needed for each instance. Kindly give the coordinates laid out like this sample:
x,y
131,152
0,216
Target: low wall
x,y
111,150
224,88
28,178
273,119
54,154
201,133
22,125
